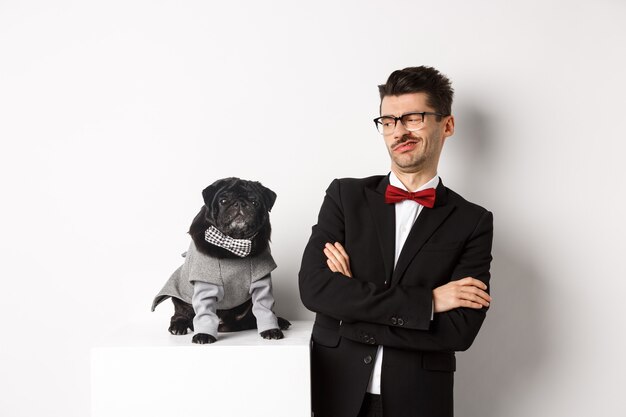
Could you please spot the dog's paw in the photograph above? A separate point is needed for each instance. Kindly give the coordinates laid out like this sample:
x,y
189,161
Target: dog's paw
x,y
272,334
203,338
283,324
180,327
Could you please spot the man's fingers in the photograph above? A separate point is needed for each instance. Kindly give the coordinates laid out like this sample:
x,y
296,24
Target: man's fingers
x,y
338,256
473,298
479,293
336,265
331,265
470,304
343,253
467,292
336,260
473,281
342,250
334,255
333,260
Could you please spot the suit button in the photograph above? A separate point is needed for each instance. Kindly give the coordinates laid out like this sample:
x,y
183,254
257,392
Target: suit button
x,y
366,338
400,322
386,282
367,359
394,321
372,341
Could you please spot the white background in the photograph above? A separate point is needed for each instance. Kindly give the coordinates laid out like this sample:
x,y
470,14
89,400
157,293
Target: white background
x,y
115,115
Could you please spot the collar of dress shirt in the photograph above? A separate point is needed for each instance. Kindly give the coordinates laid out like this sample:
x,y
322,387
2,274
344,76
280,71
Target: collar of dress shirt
x,y
432,183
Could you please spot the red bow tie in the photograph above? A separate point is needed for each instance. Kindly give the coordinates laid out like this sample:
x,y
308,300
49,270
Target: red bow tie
x,y
424,197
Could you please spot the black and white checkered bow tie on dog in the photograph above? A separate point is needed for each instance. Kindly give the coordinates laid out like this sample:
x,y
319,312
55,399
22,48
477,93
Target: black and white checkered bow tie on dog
x,y
240,247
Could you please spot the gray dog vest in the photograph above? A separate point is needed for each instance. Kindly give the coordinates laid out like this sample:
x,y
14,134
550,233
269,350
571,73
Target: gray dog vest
x,y
234,275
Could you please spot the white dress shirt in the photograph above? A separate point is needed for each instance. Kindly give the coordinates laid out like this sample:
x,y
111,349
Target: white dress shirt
x,y
406,214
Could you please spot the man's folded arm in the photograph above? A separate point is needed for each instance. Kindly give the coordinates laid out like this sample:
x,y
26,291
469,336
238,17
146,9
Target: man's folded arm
x,y
453,330
350,299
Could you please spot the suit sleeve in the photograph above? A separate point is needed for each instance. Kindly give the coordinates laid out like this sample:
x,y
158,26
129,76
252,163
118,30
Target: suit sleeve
x,y
351,299
453,330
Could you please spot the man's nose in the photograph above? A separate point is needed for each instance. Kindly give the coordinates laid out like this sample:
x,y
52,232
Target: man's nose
x,y
399,130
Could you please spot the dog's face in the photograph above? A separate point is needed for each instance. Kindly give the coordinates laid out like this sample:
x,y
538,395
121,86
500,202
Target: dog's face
x,y
238,208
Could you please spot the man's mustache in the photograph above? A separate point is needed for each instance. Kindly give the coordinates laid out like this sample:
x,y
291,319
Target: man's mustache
x,y
405,138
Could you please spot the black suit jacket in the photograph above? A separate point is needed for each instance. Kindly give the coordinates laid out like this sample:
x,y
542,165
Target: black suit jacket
x,y
381,305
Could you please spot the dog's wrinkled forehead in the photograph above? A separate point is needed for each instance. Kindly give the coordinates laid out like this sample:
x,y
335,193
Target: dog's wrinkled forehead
x,y
236,187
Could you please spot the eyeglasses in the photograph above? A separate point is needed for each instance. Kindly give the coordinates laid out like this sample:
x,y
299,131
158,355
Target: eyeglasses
x,y
412,122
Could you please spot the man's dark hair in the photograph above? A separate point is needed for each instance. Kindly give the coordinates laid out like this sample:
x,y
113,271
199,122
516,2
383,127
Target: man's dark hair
x,y
437,87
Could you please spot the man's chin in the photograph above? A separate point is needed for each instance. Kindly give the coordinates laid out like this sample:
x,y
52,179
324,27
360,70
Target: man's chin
x,y
408,163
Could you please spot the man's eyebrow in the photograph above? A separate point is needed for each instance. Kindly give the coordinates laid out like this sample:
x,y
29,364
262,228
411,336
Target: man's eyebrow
x,y
403,114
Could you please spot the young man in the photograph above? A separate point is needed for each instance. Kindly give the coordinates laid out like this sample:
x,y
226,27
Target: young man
x,y
396,268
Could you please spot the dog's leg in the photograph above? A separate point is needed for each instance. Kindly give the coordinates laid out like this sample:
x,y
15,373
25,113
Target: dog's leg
x,y
262,304
203,339
182,320
283,324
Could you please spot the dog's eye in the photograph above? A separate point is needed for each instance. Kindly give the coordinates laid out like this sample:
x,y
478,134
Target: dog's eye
x,y
222,201
255,203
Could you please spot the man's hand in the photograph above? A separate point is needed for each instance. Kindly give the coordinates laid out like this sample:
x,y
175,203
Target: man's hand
x,y
338,259
466,292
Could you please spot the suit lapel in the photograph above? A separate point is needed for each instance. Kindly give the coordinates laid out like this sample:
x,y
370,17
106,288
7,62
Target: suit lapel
x,y
425,225
384,217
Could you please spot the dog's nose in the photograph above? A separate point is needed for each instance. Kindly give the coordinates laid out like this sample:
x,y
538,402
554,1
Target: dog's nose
x,y
240,204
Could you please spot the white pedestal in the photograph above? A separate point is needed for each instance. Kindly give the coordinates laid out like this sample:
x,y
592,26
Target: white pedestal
x,y
142,370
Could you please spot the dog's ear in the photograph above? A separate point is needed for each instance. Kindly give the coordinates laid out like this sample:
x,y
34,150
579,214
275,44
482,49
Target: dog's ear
x,y
269,196
209,193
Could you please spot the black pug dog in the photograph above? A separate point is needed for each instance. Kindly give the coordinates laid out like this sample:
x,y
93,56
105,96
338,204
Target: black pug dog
x,y
225,284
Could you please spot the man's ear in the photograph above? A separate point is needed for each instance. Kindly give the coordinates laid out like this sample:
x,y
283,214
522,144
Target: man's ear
x,y
449,127
269,196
